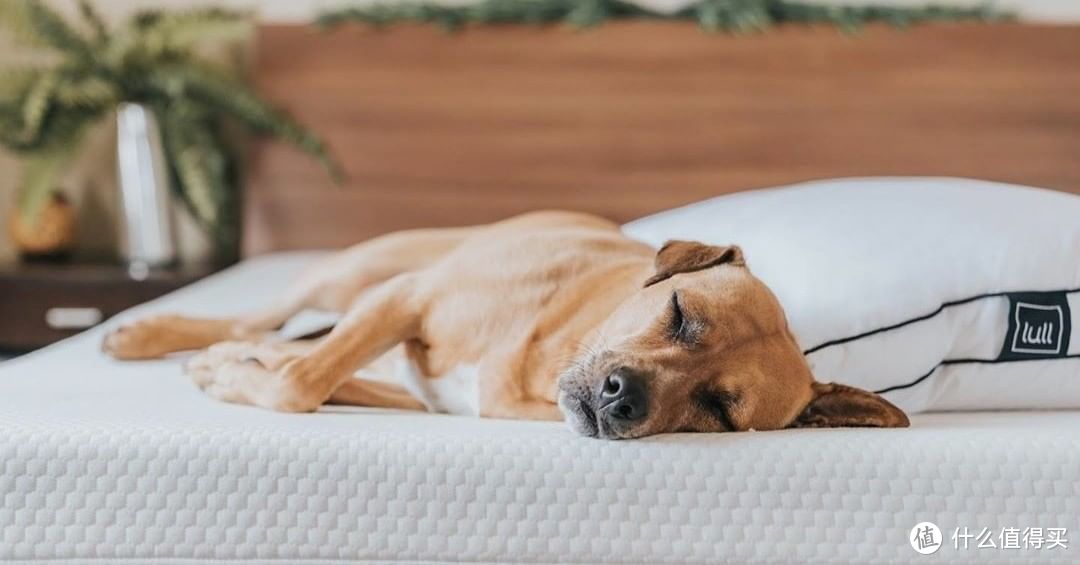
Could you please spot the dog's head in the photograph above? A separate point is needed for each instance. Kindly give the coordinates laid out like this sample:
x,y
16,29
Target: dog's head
x,y
704,347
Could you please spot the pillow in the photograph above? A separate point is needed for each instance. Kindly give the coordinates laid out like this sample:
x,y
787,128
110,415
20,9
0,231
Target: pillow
x,y
940,293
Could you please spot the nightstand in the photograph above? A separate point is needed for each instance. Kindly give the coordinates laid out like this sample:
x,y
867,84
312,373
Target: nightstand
x,y
44,303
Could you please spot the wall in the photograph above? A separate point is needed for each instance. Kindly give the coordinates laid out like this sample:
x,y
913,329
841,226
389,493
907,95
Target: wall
x,y
300,10
91,182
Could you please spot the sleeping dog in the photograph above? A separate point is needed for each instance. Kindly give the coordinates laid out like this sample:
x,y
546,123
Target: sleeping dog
x,y
548,315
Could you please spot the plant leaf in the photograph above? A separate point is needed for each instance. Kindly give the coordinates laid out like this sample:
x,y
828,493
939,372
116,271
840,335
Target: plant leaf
x,y
93,19
16,82
186,29
734,16
91,93
40,174
226,95
203,171
37,102
154,35
51,28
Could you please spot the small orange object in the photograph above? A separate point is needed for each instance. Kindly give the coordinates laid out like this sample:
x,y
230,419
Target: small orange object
x,y
53,232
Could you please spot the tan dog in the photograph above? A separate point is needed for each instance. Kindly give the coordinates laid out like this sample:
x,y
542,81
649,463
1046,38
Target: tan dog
x,y
552,310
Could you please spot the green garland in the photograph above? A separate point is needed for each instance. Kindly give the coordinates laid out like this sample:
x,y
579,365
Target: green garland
x,y
151,59
712,15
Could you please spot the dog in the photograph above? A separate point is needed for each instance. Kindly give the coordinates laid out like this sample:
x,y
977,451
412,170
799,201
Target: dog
x,y
549,315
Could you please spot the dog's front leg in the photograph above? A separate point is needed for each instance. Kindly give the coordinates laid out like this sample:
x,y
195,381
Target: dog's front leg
x,y
272,378
520,409
504,391
156,336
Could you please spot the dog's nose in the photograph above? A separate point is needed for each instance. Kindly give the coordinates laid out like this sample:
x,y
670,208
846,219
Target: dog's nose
x,y
623,397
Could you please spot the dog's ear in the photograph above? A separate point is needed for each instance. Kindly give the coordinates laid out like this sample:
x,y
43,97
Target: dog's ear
x,y
686,256
837,406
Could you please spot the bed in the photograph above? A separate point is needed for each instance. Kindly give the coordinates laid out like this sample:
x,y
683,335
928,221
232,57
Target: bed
x,y
106,461
111,462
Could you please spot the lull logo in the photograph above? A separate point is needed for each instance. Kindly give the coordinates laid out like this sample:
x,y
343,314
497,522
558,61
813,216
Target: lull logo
x,y
1039,326
1045,334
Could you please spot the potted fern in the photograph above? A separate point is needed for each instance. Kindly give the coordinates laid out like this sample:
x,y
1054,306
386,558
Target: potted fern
x,y
154,59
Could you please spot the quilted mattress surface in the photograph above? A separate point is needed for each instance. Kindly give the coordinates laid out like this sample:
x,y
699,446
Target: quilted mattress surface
x,y
104,462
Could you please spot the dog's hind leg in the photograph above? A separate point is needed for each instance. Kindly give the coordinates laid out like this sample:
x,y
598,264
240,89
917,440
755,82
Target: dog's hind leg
x,y
331,285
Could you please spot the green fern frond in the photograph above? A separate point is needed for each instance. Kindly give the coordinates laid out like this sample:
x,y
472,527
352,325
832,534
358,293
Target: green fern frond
x,y
233,98
449,17
852,17
37,102
154,35
10,122
452,17
54,31
16,82
40,174
88,93
736,16
94,20
199,168
204,171
577,13
55,105
523,11
590,13
185,29
57,129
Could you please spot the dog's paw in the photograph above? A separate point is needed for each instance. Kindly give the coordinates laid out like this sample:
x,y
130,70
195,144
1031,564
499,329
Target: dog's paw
x,y
247,373
148,338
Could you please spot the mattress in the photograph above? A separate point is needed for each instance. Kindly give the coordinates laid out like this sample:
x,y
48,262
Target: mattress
x,y
105,461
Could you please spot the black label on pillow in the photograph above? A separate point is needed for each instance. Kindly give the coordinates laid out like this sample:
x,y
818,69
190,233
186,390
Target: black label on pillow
x,y
1039,326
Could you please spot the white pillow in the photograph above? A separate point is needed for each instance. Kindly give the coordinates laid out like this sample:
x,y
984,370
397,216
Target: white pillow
x,y
940,293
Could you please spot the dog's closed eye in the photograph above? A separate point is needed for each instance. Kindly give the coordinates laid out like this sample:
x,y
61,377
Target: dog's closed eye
x,y
718,404
682,327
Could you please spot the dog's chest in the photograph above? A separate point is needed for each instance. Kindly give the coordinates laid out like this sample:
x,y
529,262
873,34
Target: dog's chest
x,y
454,392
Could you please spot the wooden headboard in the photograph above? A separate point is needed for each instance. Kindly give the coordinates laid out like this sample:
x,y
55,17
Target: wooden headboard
x,y
630,118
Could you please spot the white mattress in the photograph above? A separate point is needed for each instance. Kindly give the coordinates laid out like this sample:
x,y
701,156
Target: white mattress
x,y
104,461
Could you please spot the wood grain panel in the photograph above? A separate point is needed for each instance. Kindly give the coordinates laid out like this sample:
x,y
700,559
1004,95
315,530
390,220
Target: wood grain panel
x,y
635,117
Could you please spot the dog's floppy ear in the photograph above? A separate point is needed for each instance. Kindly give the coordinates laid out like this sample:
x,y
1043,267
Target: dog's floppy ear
x,y
686,256
835,406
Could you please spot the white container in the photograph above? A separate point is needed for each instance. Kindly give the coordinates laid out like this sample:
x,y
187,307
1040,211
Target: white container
x,y
143,176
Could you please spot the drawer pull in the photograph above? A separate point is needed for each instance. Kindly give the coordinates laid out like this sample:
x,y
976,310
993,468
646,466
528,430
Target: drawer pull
x,y
73,318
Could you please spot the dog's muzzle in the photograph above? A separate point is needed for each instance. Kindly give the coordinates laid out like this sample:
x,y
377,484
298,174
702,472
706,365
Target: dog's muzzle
x,y
612,411
623,398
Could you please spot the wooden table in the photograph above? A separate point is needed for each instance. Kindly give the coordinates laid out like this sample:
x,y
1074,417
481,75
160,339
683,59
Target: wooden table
x,y
44,303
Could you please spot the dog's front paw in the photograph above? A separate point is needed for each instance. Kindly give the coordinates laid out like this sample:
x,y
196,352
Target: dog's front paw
x,y
148,338
249,373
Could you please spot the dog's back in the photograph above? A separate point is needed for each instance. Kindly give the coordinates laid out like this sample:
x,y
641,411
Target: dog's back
x,y
522,293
